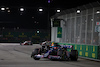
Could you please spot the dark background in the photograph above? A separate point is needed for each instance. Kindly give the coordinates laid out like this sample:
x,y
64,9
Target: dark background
x,y
31,18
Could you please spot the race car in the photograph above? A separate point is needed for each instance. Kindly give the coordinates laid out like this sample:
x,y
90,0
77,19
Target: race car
x,y
26,43
56,52
45,43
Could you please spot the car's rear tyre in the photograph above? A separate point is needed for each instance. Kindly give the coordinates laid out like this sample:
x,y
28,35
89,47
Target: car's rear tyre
x,y
35,52
36,58
74,55
33,55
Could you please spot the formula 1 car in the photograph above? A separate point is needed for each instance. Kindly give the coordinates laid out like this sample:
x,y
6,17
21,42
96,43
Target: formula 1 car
x,y
26,43
45,43
56,52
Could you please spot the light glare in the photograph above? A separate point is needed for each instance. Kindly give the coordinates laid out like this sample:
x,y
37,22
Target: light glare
x,y
38,31
2,8
8,10
78,11
58,10
48,1
40,10
21,9
98,12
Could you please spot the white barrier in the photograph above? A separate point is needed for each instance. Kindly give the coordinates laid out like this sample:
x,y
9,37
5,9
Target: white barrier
x,y
9,43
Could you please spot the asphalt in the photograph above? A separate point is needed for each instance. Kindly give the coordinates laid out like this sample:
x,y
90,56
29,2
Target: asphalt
x,y
15,55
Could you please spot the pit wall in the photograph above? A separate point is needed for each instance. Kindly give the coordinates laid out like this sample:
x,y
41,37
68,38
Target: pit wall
x,y
88,51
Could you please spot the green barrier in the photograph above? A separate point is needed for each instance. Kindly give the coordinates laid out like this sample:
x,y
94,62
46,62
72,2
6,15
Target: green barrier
x,y
95,52
89,51
99,52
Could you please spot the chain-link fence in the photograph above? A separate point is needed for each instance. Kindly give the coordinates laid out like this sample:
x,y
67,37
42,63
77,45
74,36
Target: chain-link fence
x,y
82,27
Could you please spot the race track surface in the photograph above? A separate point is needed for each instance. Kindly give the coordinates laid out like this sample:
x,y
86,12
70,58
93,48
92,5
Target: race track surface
x,y
15,55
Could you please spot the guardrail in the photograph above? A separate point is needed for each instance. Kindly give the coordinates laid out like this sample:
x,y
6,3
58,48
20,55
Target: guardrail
x,y
87,51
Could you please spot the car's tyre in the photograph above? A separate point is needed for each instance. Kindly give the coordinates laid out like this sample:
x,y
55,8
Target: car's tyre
x,y
63,55
36,58
35,52
74,55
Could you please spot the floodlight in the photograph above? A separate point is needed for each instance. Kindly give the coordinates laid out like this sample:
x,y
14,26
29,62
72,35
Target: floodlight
x,y
78,11
58,11
98,12
2,8
21,9
40,9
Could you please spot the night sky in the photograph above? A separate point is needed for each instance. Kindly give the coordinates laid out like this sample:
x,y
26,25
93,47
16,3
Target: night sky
x,y
31,18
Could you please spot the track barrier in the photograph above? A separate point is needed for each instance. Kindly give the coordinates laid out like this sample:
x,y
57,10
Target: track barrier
x,y
87,51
